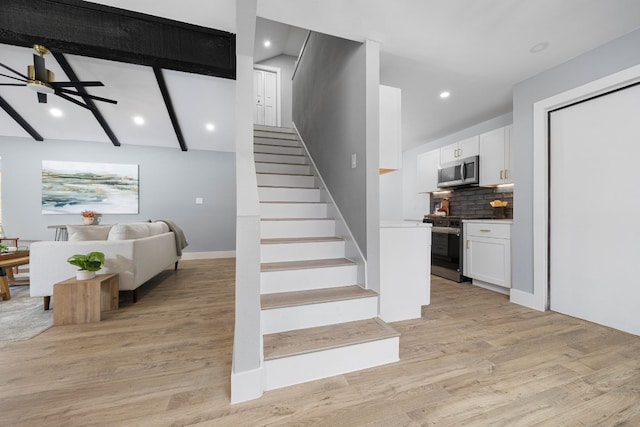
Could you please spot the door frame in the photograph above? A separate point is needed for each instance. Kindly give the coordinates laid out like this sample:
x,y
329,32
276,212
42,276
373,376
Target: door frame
x,y
275,70
541,110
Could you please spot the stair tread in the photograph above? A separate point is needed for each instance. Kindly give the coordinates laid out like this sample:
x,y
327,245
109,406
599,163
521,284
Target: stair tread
x,y
288,186
300,265
297,219
301,341
265,128
314,296
280,163
284,174
280,240
293,202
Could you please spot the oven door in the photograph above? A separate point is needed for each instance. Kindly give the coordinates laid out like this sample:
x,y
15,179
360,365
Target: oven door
x,y
446,253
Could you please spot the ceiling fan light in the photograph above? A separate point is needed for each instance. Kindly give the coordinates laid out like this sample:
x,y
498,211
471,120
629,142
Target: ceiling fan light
x,y
38,86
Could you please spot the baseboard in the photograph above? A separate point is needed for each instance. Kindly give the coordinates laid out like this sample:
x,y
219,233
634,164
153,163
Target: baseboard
x,y
208,255
246,385
524,298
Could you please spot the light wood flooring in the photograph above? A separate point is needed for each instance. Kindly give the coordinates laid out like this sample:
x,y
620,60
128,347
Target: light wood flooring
x,y
473,359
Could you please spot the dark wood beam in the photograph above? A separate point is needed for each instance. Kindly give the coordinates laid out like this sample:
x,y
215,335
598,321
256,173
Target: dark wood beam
x,y
172,113
87,29
20,120
66,67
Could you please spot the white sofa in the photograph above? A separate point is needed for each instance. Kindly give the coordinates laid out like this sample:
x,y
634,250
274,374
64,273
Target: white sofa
x,y
137,251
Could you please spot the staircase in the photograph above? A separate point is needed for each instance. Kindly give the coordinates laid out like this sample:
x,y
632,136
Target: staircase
x,y
317,320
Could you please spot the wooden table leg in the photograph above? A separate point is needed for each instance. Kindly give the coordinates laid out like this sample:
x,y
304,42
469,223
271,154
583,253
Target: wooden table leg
x,y
4,285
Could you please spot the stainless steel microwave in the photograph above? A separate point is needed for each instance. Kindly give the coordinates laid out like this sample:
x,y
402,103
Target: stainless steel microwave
x,y
460,173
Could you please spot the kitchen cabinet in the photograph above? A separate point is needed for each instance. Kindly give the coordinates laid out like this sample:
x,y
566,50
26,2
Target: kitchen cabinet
x,y
495,157
428,171
390,128
461,149
487,251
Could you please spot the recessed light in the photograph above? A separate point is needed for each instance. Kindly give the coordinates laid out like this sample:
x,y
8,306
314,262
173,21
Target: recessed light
x,y
267,43
444,94
539,47
139,120
55,112
210,127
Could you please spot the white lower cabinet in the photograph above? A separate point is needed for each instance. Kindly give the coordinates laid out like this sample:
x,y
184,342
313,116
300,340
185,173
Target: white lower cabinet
x,y
487,251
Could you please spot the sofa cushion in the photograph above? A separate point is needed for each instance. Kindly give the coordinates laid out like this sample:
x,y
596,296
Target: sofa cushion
x,y
78,233
136,230
159,227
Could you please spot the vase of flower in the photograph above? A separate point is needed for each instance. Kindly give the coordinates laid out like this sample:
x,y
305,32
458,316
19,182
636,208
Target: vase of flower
x,y
88,217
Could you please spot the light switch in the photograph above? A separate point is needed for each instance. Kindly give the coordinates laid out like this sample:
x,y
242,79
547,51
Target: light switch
x,y
199,200
353,161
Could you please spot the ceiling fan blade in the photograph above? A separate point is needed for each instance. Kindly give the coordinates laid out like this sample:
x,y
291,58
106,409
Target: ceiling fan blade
x,y
13,84
42,98
13,78
41,71
96,98
14,72
75,84
70,99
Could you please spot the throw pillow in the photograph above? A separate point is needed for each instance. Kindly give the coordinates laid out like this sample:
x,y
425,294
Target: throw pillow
x,y
129,231
78,233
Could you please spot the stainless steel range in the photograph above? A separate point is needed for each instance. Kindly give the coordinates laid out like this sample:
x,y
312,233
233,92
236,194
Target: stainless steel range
x,y
446,247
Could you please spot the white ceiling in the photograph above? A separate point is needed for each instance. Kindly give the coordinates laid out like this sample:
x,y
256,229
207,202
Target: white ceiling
x,y
478,50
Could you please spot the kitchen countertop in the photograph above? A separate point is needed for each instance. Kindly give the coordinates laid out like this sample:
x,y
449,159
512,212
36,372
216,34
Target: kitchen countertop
x,y
403,224
493,221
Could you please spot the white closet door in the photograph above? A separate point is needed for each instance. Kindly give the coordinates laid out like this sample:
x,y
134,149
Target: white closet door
x,y
265,89
595,210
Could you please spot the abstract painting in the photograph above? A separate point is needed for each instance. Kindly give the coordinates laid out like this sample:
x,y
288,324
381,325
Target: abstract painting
x,y
71,187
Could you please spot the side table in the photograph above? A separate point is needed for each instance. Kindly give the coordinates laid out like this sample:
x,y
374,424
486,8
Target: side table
x,y
83,301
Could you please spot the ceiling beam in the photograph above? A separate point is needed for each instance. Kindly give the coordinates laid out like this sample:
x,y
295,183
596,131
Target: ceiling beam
x,y
167,102
88,29
20,120
66,67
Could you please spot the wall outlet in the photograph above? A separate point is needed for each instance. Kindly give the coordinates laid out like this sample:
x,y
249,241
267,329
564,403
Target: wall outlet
x,y
199,200
353,161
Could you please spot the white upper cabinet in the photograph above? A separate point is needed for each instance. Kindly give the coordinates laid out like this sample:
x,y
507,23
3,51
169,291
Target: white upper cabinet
x,y
428,171
390,128
495,157
466,148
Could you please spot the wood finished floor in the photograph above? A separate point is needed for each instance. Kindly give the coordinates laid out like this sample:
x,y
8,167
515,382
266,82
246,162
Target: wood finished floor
x,y
473,359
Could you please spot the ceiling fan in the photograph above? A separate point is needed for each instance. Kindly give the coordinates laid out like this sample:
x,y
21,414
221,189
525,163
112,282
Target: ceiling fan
x,y
41,80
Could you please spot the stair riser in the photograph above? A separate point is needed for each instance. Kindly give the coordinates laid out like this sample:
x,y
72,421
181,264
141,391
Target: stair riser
x,y
275,252
274,135
286,180
322,364
305,228
280,158
308,278
320,314
293,210
277,149
267,194
282,168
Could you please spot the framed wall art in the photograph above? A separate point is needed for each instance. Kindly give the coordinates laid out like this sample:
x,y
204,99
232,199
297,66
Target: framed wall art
x,y
72,187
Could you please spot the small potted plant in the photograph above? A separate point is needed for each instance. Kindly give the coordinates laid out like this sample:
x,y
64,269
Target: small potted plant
x,y
3,248
88,264
88,217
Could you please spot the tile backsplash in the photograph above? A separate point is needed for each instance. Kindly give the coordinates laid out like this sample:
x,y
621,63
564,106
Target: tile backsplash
x,y
474,201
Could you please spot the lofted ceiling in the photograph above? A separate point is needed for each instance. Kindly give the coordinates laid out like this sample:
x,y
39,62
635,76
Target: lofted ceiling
x,y
476,50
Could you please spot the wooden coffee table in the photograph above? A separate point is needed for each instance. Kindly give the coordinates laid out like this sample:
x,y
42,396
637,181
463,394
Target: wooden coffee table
x,y
10,260
82,301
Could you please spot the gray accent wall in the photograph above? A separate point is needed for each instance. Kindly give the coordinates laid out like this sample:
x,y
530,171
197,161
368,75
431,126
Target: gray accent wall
x,y
170,181
286,64
610,58
329,111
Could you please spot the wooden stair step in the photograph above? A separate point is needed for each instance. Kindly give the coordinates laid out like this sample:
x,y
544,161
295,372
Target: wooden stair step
x,y
314,296
284,240
301,265
296,219
280,163
284,173
285,186
302,341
